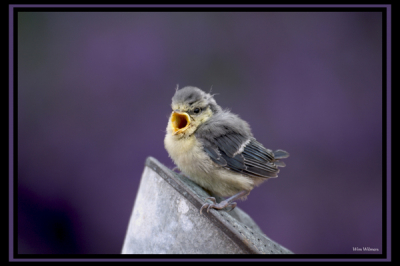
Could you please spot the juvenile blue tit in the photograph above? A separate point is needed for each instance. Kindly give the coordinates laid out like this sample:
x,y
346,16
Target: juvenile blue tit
x,y
216,148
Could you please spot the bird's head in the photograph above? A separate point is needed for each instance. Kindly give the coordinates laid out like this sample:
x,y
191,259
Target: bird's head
x,y
191,107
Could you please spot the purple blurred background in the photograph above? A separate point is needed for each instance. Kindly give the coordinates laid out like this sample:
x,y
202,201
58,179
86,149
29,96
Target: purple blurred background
x,y
94,94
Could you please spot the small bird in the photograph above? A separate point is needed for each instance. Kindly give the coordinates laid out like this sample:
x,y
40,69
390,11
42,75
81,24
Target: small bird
x,y
216,149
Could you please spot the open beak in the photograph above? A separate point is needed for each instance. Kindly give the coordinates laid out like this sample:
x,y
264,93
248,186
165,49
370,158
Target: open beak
x,y
180,122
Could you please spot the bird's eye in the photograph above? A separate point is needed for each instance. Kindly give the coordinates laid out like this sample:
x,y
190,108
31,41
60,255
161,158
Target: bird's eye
x,y
196,110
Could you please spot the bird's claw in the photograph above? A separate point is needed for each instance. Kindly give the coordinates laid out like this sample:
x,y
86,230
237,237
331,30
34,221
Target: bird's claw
x,y
223,204
208,205
232,205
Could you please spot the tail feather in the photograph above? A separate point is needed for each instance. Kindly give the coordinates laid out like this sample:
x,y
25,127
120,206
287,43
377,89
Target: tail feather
x,y
280,154
279,164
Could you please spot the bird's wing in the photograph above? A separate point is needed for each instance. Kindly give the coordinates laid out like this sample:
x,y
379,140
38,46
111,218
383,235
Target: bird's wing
x,y
239,152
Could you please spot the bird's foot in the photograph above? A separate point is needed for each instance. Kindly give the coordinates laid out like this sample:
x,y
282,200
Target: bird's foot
x,y
219,206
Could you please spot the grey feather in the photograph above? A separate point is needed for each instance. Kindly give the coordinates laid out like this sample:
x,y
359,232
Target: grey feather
x,y
224,137
188,95
279,163
191,95
215,155
280,154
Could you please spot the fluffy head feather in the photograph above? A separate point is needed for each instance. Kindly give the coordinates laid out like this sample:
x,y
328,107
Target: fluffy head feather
x,y
189,97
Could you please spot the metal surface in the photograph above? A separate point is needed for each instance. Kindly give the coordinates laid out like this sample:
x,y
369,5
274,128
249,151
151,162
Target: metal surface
x,y
166,220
